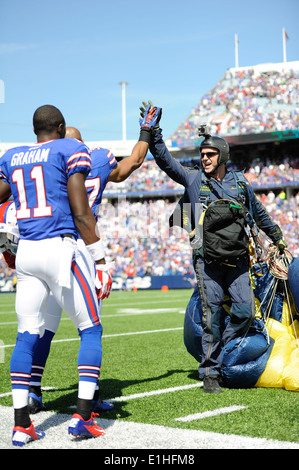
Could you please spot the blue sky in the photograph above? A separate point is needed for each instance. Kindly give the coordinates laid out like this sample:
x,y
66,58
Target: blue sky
x,y
74,53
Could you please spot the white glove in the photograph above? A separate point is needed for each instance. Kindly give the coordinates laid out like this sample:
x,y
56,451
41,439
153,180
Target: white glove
x,y
103,281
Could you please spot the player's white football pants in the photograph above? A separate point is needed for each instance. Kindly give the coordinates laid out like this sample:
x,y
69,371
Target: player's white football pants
x,y
60,266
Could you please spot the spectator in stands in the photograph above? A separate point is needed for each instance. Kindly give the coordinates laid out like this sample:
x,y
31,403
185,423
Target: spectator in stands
x,y
258,174
139,250
150,178
247,101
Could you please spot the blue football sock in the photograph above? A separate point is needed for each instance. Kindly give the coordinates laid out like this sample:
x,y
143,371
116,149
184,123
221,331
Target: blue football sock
x,y
40,357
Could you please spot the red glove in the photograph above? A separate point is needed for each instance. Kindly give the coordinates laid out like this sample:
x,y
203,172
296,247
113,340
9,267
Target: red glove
x,y
103,280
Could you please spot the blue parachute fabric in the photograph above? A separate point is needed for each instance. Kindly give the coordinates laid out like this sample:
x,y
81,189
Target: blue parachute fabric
x,y
277,306
245,358
193,326
293,280
248,347
246,375
264,289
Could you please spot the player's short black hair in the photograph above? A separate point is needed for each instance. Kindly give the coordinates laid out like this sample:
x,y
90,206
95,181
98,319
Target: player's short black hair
x,y
47,118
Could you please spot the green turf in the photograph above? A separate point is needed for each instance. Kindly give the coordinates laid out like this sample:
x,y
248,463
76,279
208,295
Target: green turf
x,y
141,363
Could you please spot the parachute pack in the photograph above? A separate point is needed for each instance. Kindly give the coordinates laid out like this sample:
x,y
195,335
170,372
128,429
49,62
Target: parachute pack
x,y
224,237
267,355
217,228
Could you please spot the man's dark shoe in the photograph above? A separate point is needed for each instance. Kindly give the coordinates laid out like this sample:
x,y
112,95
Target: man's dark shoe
x,y
211,385
35,403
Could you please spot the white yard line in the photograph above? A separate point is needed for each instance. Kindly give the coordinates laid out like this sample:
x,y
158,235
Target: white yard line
x,y
134,302
136,395
121,312
192,417
208,414
154,392
125,312
2,346
7,394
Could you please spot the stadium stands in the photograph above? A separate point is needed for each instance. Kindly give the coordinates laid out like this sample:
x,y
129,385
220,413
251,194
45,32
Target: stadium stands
x,y
150,179
136,234
249,100
256,99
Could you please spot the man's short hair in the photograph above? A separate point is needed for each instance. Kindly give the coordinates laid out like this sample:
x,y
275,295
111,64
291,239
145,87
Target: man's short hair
x,y
47,118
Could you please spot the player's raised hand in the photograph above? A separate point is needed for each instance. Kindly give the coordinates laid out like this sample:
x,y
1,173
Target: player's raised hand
x,y
150,116
144,106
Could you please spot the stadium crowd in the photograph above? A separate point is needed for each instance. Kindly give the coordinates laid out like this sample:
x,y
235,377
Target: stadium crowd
x,y
150,178
136,233
265,175
246,101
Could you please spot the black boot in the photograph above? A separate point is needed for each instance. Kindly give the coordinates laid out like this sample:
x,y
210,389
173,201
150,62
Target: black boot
x,y
211,384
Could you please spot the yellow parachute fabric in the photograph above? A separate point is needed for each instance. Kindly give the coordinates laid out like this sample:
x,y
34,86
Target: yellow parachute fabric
x,y
282,369
291,371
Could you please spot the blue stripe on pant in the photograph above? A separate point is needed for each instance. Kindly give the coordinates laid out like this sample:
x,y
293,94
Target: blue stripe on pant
x,y
214,281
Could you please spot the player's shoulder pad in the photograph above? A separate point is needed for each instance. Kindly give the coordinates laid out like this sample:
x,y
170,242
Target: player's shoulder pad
x,y
101,156
73,146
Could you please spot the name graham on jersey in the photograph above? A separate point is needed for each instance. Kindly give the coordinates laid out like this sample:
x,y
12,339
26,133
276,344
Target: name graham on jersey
x,y
31,156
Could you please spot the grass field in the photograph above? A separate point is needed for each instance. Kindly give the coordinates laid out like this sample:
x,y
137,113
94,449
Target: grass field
x,y
147,372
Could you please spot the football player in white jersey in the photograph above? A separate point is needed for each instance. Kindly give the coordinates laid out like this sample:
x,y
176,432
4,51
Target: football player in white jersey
x,y
104,168
47,182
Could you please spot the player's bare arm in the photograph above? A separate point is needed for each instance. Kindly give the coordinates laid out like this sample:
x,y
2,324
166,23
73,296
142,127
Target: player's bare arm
x,y
86,226
83,216
5,191
150,118
126,166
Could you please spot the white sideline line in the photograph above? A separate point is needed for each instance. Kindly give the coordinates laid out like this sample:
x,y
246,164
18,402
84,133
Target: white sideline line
x,y
208,414
2,346
153,392
137,311
135,395
122,434
7,394
126,312
133,302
